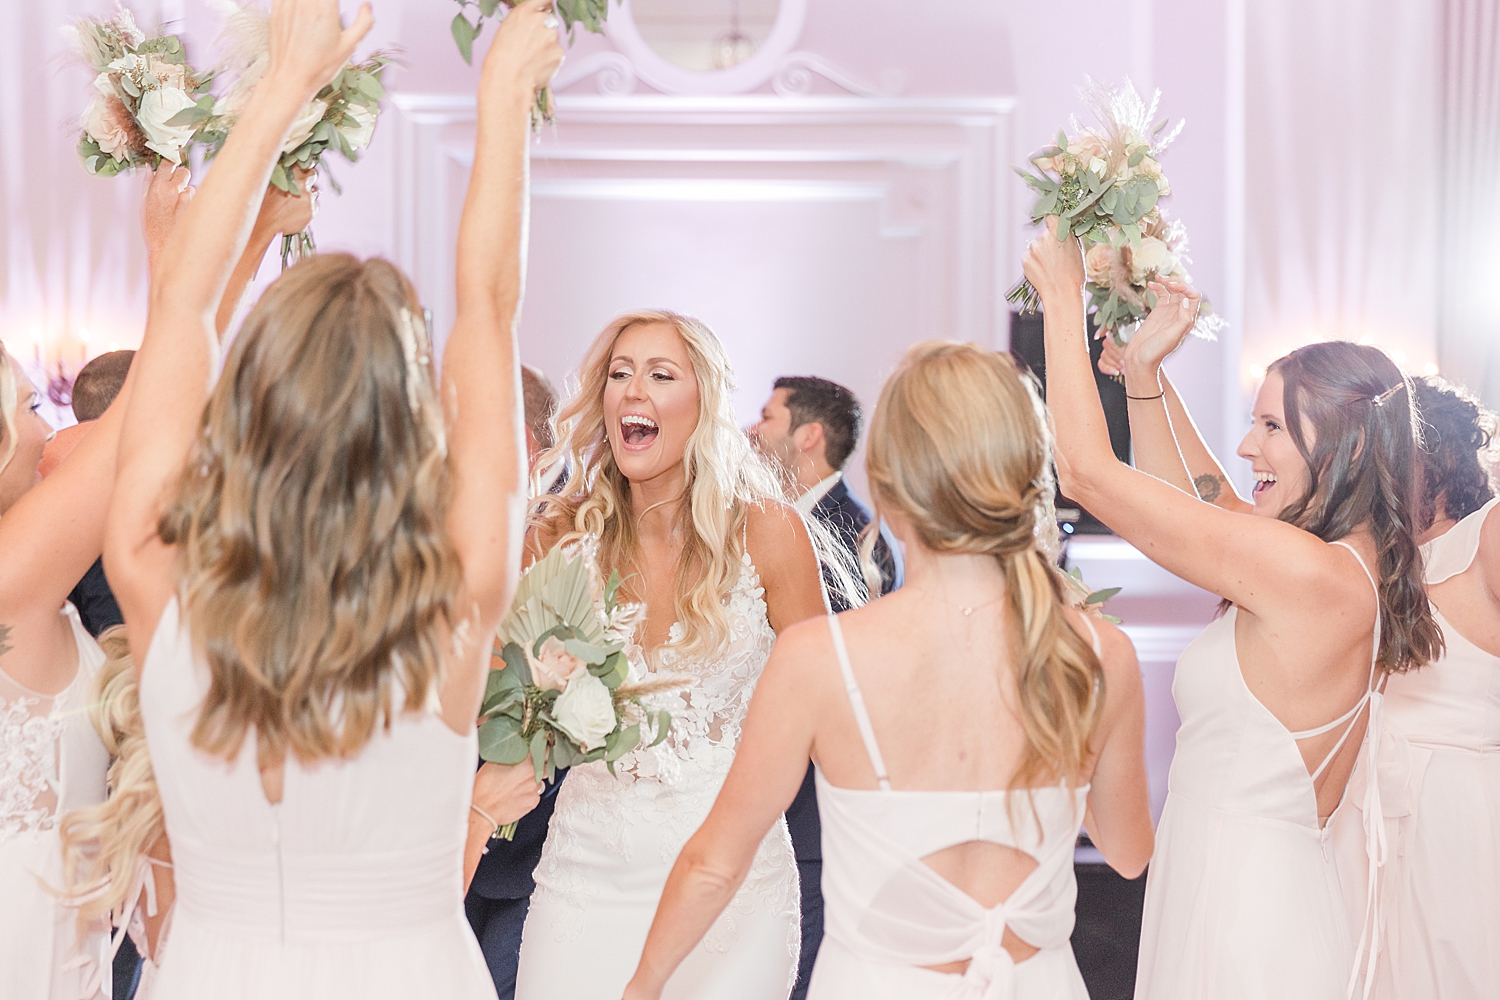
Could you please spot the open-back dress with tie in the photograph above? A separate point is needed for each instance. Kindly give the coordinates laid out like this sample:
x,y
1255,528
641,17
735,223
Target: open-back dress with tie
x,y
887,914
1243,900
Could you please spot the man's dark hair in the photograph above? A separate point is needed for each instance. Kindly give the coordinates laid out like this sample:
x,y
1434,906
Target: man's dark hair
x,y
541,405
814,400
99,383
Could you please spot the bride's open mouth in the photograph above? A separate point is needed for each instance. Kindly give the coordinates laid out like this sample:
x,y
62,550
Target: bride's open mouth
x,y
638,431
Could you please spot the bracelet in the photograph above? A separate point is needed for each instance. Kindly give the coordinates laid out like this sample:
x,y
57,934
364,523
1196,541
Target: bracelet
x,y
495,827
1159,395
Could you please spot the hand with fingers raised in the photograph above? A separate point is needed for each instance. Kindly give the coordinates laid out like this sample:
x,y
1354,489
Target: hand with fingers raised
x,y
309,44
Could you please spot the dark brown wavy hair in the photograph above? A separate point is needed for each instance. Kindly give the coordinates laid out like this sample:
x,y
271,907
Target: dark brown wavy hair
x,y
1459,445
315,569
1362,470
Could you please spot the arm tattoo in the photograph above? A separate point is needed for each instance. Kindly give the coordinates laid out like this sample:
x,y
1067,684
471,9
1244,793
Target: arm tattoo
x,y
1208,486
4,639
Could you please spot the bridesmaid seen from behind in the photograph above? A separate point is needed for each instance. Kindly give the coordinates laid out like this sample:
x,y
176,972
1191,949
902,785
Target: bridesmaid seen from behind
x,y
1324,591
1440,767
962,727
312,551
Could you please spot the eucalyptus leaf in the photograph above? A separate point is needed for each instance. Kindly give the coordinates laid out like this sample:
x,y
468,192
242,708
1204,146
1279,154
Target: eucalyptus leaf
x,y
621,742
539,753
1136,157
586,651
500,741
515,663
280,179
464,34
663,727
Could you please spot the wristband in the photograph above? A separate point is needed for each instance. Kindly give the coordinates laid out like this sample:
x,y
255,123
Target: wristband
x,y
1159,395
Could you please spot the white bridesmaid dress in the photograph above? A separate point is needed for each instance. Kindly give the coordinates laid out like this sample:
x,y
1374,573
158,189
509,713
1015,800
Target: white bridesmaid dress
x,y
349,889
1440,784
51,761
1243,899
887,914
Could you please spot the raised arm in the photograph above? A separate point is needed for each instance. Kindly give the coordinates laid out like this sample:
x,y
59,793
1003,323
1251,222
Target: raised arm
x,y
280,213
481,370
768,770
1166,441
1260,563
175,365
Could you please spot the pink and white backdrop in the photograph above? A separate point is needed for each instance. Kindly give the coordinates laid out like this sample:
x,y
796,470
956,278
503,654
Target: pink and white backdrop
x,y
846,191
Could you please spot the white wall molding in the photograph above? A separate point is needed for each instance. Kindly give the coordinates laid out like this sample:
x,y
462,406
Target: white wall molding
x,y
934,168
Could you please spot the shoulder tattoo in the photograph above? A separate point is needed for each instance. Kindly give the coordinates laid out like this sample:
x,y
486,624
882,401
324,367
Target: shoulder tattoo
x,y
1209,486
4,639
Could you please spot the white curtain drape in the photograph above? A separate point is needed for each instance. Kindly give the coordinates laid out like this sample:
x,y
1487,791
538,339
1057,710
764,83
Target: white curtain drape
x,y
1469,279
1341,176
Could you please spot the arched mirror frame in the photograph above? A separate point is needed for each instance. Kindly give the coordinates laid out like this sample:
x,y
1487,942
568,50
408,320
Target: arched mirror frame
x,y
669,78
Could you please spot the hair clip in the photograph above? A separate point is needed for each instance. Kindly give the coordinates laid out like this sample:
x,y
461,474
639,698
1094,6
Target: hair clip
x,y
1381,399
407,332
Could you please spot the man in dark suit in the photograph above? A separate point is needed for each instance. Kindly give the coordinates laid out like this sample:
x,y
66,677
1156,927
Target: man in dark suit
x,y
809,429
499,895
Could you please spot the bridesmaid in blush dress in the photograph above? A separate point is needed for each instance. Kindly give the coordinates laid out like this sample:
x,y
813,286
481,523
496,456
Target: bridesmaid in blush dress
x,y
311,553
1439,771
1323,581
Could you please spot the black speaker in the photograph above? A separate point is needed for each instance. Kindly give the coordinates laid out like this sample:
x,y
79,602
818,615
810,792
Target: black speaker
x,y
1028,347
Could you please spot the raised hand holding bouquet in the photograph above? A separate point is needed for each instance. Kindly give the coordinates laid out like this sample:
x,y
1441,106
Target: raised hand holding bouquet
x,y
1104,186
341,117
149,105
589,13
567,694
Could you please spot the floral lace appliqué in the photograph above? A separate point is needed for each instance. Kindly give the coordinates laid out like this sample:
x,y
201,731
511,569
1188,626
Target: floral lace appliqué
x,y
28,766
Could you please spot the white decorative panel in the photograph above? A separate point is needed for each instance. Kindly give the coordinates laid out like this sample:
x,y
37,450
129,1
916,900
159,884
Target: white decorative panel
x,y
815,235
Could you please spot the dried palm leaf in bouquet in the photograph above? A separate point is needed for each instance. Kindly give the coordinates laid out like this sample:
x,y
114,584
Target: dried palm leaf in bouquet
x,y
1104,185
341,117
149,104
589,13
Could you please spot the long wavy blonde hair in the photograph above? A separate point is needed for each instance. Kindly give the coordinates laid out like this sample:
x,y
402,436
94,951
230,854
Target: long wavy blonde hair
x,y
9,396
724,478
961,447
315,568
101,843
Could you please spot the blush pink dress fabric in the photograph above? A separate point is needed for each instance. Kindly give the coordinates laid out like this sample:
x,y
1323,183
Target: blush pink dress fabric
x,y
1440,779
887,914
349,889
1243,899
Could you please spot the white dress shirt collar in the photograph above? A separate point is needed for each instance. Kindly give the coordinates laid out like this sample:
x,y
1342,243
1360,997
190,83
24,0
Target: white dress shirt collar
x,y
807,501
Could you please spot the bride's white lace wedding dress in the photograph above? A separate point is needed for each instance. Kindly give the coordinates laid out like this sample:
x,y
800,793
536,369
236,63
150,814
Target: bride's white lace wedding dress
x,y
613,840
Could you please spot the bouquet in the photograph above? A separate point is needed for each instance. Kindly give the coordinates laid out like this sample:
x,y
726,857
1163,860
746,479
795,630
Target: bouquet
x,y
149,104
1104,185
589,13
341,117
566,694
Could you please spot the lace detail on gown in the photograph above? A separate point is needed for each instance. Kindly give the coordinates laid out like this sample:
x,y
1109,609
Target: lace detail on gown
x,y
670,787
29,735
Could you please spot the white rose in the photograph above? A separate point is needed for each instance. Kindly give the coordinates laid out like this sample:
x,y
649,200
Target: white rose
x,y
1151,256
1098,166
585,711
105,121
358,126
156,109
302,127
554,668
1162,187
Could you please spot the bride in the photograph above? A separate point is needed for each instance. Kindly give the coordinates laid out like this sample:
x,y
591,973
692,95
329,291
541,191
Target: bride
x,y
666,486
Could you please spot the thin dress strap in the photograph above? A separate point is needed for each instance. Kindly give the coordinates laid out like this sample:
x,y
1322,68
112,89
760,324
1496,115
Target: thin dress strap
x,y
1349,716
857,702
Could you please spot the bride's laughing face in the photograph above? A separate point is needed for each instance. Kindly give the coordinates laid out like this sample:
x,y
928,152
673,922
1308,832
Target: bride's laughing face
x,y
650,401
1280,471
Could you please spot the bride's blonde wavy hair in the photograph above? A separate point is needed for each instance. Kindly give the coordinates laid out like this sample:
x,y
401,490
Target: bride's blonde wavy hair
x,y
314,564
960,446
101,843
724,478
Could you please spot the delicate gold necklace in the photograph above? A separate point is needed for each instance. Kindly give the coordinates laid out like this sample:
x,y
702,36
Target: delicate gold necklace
x,y
966,610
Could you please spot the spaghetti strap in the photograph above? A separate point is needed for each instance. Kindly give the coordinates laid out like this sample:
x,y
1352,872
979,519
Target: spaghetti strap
x,y
1350,716
1093,635
857,703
